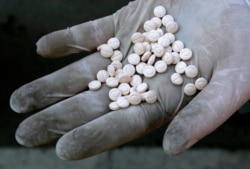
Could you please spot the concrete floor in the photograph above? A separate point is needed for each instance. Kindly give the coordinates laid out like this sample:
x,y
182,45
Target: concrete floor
x,y
126,158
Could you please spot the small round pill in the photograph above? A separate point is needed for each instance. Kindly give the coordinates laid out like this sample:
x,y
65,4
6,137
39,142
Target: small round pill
x,y
114,43
94,85
160,66
117,56
102,75
117,64
149,96
176,79
124,88
166,19
134,59
149,71
114,106
106,51
160,31
180,67
177,46
172,27
123,102
146,56
168,58
159,11
135,98
136,80
111,70
112,82
139,48
140,67
158,50
152,36
176,57
147,46
201,83
149,25
186,54
164,41
189,89
137,37
191,71
157,22
168,49
129,69
171,37
141,88
114,94
124,78
151,60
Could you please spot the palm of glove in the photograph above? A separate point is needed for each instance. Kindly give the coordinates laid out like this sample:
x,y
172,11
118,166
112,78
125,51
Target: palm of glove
x,y
218,35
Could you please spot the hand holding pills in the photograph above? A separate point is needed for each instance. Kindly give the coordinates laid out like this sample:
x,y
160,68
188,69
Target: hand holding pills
x,y
157,61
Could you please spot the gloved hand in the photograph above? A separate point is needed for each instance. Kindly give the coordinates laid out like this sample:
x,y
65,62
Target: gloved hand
x,y
218,33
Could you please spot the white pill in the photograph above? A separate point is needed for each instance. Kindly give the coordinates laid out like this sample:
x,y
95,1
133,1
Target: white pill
x,y
160,31
112,82
164,41
176,79
114,94
168,58
141,88
136,80
124,88
134,59
100,47
146,56
117,56
151,60
106,51
166,19
180,67
123,102
201,83
157,22
147,46
94,85
172,27
124,78
186,54
129,69
189,89
149,71
158,50
159,11
160,66
177,46
149,96
149,25
118,72
168,49
102,75
191,71
111,70
114,106
137,37
171,37
135,98
140,67
117,64
139,48
114,43
152,36
176,57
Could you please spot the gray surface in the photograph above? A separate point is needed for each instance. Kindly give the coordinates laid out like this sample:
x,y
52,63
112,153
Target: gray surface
x,y
126,158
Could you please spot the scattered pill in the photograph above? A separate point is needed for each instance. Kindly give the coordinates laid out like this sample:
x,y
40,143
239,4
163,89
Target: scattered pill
x,y
114,106
177,46
159,11
146,56
117,56
149,96
117,64
141,88
149,25
139,48
201,83
186,54
158,50
114,94
160,66
164,41
149,71
166,19
123,102
191,71
172,27
112,82
136,80
134,59
180,67
137,37
176,57
124,78
102,75
124,88
111,70
190,89
135,98
168,58
94,85
140,67
151,60
106,51
129,69
176,79
157,22
114,43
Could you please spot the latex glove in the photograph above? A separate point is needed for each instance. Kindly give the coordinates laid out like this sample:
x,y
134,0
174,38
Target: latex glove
x,y
218,33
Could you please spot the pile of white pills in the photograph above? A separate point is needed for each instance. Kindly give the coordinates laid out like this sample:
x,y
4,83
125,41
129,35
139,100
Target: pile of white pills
x,y
153,51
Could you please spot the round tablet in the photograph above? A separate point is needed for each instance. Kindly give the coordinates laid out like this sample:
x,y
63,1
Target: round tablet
x,y
152,36
124,88
117,56
166,19
139,48
176,79
157,22
134,59
149,71
146,56
190,89
112,82
94,85
186,54
114,94
102,75
114,106
177,46
158,50
149,96
129,69
149,25
136,80
180,67
137,37
111,70
151,60
140,67
159,11
176,57
172,27
123,102
191,71
106,51
171,37
141,88
160,66
124,78
114,43
117,64
135,98
168,58
164,41
201,83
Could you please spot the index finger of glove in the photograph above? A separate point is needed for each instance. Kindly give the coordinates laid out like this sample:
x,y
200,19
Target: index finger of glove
x,y
83,37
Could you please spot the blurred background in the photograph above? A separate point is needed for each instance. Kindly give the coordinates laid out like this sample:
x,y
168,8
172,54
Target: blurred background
x,y
22,23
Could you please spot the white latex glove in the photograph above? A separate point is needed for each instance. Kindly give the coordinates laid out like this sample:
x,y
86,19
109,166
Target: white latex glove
x,y
218,32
